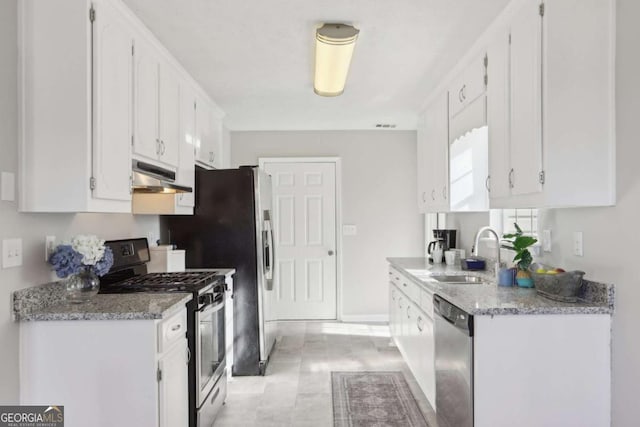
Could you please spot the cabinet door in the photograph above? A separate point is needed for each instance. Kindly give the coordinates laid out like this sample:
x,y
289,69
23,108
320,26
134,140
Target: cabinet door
x,y
146,85
169,115
216,142
204,131
401,306
426,365
424,170
526,97
112,69
173,387
437,135
186,164
498,117
468,87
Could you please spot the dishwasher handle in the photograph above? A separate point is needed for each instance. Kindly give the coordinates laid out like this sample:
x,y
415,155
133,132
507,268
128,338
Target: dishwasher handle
x,y
457,317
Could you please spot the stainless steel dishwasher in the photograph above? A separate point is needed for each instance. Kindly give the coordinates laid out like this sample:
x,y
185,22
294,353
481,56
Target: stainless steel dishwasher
x,y
454,364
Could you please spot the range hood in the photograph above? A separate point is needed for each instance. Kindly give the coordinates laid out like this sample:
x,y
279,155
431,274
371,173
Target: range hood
x,y
148,178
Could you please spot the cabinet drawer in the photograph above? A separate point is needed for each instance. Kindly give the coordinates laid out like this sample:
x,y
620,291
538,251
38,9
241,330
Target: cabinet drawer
x,y
426,302
172,330
410,289
394,277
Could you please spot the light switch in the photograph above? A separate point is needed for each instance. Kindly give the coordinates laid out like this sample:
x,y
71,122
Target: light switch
x,y
8,186
349,230
11,253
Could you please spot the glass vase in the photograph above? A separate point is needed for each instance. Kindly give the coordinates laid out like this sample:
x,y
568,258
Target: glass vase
x,y
82,287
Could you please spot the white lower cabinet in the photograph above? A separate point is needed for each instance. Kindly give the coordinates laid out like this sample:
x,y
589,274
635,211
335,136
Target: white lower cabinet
x,y
126,373
411,326
173,383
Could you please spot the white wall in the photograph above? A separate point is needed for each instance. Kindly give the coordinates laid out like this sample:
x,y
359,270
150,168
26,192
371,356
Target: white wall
x,y
32,228
379,196
611,234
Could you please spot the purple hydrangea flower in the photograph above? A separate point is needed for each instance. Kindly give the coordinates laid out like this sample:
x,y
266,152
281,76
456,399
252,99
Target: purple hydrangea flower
x,y
104,264
66,261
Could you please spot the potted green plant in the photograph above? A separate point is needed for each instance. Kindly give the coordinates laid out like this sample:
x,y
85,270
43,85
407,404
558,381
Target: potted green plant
x,y
519,243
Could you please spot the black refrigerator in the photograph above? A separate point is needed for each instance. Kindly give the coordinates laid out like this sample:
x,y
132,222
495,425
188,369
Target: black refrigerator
x,y
232,228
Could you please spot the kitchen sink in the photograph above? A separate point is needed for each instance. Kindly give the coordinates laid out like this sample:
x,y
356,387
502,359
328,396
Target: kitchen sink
x,y
460,279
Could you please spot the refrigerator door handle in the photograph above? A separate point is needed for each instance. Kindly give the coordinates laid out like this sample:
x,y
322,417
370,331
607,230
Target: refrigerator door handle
x,y
268,256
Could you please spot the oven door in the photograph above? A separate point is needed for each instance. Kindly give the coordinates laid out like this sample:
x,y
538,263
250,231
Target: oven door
x,y
210,345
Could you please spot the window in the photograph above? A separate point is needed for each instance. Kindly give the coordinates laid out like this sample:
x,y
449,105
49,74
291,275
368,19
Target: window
x,y
527,220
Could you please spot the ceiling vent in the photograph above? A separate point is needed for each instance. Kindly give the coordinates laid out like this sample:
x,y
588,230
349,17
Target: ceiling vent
x,y
385,126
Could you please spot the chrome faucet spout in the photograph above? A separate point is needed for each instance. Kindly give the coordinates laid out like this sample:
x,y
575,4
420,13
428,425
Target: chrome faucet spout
x,y
477,243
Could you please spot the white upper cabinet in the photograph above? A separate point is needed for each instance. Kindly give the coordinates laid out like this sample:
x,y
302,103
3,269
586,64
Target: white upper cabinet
x,y
186,171
467,87
209,135
423,171
112,86
75,111
146,100
433,170
551,106
96,89
170,135
526,102
498,117
157,106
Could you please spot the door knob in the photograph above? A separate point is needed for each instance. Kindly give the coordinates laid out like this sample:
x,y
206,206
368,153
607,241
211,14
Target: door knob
x,y
330,253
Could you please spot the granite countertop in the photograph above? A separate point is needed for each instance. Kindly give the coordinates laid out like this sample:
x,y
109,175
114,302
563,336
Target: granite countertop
x,y
490,299
47,302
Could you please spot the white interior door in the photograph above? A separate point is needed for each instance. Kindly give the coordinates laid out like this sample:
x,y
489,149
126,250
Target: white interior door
x,y
304,196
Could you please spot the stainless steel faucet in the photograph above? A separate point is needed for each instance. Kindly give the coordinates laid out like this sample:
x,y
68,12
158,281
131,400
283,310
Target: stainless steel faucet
x,y
477,243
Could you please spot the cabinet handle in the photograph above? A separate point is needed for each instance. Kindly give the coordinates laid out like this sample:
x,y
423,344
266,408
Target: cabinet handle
x,y
511,173
408,315
424,196
433,194
460,95
157,146
444,192
212,156
130,184
176,327
188,355
418,323
486,183
462,92
163,147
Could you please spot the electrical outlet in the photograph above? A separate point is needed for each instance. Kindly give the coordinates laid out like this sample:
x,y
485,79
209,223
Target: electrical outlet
x,y
49,246
11,253
578,243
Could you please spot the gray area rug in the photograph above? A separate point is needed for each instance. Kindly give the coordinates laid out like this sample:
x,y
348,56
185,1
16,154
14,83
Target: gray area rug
x,y
374,399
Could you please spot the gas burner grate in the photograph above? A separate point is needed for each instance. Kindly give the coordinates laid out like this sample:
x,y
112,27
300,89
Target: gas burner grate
x,y
188,278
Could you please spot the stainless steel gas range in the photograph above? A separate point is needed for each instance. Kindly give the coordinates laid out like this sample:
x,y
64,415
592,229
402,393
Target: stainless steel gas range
x,y
205,320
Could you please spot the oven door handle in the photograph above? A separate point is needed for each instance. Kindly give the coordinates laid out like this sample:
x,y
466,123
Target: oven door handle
x,y
211,308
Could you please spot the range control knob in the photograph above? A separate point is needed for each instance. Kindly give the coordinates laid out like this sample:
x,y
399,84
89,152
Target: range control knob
x,y
205,299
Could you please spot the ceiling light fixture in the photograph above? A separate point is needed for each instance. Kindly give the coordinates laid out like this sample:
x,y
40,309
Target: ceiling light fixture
x,y
334,48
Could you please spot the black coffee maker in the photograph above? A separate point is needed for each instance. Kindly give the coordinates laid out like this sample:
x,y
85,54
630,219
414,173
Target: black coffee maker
x,y
443,238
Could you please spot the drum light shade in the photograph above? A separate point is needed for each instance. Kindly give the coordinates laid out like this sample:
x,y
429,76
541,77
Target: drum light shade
x,y
334,49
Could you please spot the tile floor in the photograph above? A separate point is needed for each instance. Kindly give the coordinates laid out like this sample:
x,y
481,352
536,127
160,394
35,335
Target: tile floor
x,y
296,390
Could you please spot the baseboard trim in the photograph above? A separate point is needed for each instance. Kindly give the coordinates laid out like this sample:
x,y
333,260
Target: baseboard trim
x,y
380,318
